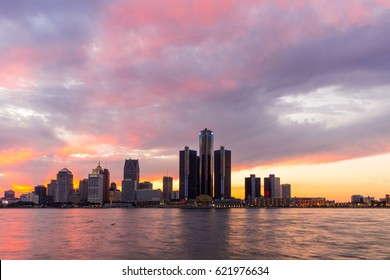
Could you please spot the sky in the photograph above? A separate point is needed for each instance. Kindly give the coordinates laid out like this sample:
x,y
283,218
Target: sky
x,y
299,89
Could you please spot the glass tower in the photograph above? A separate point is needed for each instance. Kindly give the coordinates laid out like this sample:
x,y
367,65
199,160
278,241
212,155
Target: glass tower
x,y
206,150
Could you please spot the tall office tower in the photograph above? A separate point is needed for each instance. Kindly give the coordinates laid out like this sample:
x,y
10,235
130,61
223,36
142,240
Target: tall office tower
x,y
106,184
41,192
51,190
286,191
83,189
206,162
131,170
222,173
167,187
145,186
188,174
112,186
272,187
10,194
64,185
98,185
128,190
252,187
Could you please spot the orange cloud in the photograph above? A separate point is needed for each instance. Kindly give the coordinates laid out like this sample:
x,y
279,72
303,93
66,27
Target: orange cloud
x,y
16,155
20,189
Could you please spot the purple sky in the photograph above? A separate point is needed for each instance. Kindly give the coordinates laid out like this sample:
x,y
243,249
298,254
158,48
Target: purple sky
x,y
277,81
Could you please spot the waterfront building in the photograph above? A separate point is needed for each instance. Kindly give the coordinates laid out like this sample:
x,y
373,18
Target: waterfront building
x,y
206,162
114,195
64,185
387,199
40,190
308,201
356,198
252,187
286,191
145,186
128,190
368,199
30,197
97,185
75,197
10,194
167,187
51,190
131,170
83,189
106,184
272,187
175,195
188,174
222,173
148,195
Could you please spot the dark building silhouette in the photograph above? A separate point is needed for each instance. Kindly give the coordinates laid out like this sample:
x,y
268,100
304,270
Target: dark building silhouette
x,y
206,162
83,189
188,174
41,192
64,185
131,170
222,173
252,187
10,194
51,190
145,186
106,185
167,187
272,187
128,190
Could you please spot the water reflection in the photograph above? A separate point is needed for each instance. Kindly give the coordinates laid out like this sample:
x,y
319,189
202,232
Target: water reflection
x,y
195,234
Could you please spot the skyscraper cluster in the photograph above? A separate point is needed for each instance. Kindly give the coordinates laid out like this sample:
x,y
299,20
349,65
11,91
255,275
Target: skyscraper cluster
x,y
208,173
272,188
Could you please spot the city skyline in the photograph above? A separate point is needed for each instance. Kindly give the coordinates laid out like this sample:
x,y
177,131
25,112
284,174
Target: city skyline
x,y
298,89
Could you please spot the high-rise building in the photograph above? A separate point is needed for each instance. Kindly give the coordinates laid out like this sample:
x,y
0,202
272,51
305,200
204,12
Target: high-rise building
x,y
206,161
98,185
188,174
128,190
167,187
252,187
222,173
30,197
41,192
51,191
286,191
131,170
83,189
64,185
145,186
272,187
10,194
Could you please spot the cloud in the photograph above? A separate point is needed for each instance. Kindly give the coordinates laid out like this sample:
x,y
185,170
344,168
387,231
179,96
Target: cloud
x,y
277,81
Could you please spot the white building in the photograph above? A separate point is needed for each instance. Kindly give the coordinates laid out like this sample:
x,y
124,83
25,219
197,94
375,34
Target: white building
x,y
30,197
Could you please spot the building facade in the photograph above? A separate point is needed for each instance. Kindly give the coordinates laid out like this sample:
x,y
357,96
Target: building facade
x,y
64,185
222,174
167,187
252,187
188,174
131,170
286,191
272,187
40,190
206,162
128,190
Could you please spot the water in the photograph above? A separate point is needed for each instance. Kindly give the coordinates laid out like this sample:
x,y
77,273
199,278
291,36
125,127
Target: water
x,y
195,234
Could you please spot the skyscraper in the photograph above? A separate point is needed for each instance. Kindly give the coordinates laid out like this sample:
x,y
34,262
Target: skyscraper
x,y
272,187
41,192
98,185
51,191
128,190
167,187
64,185
252,187
222,173
286,191
188,174
206,162
83,189
131,170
